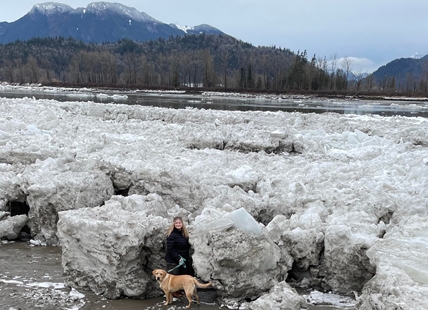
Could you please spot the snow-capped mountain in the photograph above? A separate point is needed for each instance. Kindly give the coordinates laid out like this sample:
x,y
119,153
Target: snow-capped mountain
x,y
98,22
51,8
416,56
204,28
102,9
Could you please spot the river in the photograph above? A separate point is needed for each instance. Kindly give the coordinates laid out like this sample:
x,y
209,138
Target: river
x,y
409,107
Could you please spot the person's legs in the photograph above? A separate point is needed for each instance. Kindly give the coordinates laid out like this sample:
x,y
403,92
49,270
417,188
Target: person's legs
x,y
189,265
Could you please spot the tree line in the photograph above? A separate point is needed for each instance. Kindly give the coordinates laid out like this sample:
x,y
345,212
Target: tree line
x,y
193,61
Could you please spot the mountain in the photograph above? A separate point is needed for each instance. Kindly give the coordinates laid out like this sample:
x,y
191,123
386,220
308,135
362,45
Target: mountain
x,y
97,23
204,28
403,72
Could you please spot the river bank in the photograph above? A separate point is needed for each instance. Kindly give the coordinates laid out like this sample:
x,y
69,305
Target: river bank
x,y
31,277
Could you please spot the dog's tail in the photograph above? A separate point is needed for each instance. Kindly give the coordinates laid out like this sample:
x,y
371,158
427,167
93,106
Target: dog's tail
x,y
201,285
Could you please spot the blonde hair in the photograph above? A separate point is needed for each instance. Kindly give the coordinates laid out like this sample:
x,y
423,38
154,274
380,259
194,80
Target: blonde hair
x,y
184,230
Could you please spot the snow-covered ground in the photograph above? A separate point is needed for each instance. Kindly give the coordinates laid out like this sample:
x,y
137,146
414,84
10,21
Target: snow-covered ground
x,y
354,185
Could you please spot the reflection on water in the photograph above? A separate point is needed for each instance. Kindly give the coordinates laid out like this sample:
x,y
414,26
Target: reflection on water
x,y
182,101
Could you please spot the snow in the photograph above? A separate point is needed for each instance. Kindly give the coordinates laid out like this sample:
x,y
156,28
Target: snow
x,y
98,8
56,286
316,297
11,282
50,8
76,294
49,294
114,97
348,173
183,28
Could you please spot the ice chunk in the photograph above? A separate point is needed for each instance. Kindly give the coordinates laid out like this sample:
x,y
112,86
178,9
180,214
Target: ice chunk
x,y
242,219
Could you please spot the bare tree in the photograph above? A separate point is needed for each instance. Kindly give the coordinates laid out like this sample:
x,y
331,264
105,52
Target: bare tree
x,y
333,66
425,76
346,66
18,71
322,65
225,66
358,77
33,69
209,73
411,83
370,82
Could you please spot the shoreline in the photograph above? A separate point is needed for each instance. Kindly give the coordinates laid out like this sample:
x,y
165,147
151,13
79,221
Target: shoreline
x,y
32,275
231,93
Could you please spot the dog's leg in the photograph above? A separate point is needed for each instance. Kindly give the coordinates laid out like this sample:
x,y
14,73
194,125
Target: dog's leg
x,y
167,298
171,297
189,294
189,298
196,296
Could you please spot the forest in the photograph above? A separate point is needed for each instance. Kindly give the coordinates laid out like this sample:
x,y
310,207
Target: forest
x,y
203,61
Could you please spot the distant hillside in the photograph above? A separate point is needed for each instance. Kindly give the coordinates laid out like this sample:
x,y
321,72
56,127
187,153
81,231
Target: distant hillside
x,y
112,44
203,60
97,23
403,74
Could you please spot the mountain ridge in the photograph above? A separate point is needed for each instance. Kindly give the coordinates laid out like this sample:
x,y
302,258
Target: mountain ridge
x,y
401,73
99,22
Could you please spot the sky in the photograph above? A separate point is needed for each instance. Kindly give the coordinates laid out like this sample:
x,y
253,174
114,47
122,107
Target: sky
x,y
369,33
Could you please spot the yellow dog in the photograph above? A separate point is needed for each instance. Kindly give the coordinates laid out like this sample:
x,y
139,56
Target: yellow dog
x,y
170,283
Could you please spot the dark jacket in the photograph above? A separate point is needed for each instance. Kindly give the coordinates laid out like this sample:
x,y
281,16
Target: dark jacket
x,y
176,245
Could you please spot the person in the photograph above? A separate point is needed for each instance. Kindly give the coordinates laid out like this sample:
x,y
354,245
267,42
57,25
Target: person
x,y
178,250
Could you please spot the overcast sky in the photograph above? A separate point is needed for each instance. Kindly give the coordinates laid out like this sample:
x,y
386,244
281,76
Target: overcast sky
x,y
369,32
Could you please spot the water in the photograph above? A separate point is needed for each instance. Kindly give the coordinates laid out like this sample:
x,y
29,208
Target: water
x,y
409,108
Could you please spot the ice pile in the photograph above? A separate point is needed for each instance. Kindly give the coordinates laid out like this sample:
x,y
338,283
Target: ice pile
x,y
321,201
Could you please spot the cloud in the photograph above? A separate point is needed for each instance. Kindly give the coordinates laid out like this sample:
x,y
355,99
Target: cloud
x,y
358,64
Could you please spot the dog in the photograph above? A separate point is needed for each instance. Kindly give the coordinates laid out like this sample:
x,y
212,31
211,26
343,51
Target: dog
x,y
171,283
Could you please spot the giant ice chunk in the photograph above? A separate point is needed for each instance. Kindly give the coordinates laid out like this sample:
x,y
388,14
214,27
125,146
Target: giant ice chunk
x,y
240,259
400,258
113,249
56,185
